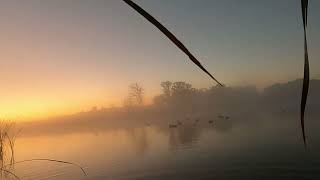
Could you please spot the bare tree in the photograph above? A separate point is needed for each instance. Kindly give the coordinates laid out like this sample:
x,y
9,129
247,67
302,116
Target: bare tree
x,y
136,95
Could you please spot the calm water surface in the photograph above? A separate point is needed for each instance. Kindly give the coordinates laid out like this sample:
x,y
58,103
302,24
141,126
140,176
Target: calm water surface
x,y
191,151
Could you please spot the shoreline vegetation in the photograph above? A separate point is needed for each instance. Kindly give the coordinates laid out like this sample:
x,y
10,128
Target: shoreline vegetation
x,y
179,101
8,135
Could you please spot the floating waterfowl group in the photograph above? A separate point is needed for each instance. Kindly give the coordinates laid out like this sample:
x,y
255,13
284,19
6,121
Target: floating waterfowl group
x,y
223,117
197,120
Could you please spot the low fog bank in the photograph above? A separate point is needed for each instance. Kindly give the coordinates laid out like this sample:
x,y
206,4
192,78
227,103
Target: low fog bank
x,y
180,104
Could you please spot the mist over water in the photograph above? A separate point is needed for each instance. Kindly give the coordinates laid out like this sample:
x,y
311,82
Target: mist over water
x,y
60,57
218,133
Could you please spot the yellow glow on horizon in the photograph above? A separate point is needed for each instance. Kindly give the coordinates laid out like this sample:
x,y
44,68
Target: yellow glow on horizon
x,y
36,108
41,108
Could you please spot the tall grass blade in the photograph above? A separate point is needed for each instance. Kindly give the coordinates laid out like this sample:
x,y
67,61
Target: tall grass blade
x,y
172,37
306,78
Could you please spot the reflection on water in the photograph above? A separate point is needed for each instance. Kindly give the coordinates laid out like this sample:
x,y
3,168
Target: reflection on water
x,y
185,136
190,151
139,138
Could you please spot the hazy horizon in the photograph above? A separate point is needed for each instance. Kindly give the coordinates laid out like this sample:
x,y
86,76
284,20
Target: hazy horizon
x,y
150,100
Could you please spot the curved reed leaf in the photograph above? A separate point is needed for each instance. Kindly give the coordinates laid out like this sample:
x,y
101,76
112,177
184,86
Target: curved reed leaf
x,y
306,78
53,160
172,37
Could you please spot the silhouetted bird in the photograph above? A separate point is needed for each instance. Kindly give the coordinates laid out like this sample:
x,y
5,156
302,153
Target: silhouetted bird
x,y
173,126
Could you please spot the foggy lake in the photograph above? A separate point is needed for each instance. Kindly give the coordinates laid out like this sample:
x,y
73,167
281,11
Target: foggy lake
x,y
196,149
